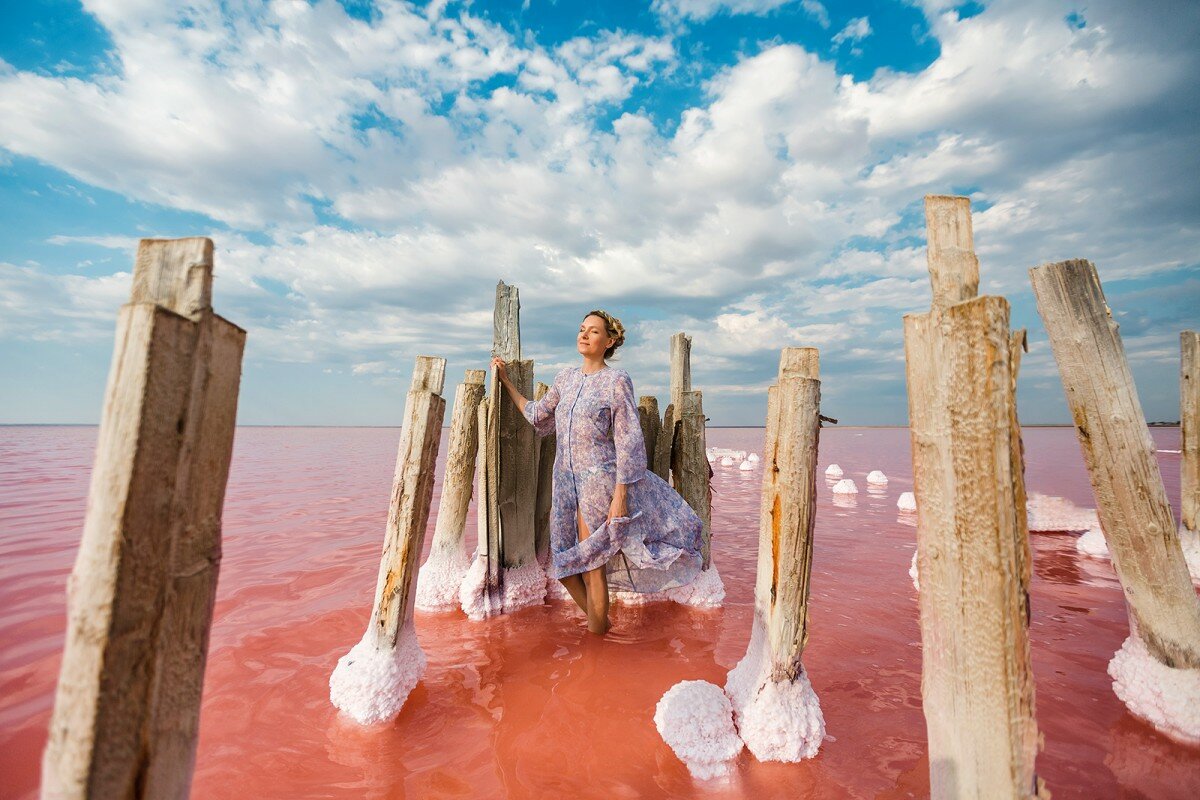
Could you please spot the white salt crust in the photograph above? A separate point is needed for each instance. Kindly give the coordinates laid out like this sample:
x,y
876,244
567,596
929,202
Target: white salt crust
x,y
907,502
1092,543
523,586
833,471
752,457
912,572
370,685
845,486
778,720
1047,513
707,590
440,578
727,461
696,720
1166,698
877,477
746,465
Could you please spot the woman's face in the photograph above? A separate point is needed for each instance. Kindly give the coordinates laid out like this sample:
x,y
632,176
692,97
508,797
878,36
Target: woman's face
x,y
593,337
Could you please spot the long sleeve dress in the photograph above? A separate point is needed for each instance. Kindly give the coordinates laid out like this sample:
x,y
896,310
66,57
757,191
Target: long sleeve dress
x,y
657,545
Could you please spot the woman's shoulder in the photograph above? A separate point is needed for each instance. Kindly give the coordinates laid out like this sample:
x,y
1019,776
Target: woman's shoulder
x,y
564,373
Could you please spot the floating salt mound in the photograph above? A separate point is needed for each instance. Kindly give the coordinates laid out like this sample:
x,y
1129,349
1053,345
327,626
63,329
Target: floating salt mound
x,y
1166,698
696,719
877,477
845,486
907,502
778,720
746,465
523,586
1092,543
440,578
752,457
833,471
912,572
1046,513
727,461
707,590
370,685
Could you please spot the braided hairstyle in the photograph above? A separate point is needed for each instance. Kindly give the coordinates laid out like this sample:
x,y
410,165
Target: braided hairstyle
x,y
613,327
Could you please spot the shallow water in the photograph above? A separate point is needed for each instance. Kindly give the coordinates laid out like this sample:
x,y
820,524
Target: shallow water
x,y
530,704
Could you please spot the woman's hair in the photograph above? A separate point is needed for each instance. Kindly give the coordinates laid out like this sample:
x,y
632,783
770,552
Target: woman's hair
x,y
614,328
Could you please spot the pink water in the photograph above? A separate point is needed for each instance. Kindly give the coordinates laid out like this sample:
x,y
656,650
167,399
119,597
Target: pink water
x,y
531,705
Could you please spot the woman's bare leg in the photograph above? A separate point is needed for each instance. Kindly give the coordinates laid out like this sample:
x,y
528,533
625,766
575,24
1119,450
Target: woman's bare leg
x,y
595,581
575,588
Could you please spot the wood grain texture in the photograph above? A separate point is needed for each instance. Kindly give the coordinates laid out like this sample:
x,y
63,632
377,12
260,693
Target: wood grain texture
x,y
506,323
175,274
651,425
517,476
1134,512
665,444
461,457
690,467
545,486
1189,421
681,366
953,267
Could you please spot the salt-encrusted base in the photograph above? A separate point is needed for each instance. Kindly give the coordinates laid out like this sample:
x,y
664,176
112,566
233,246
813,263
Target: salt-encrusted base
x,y
1166,698
440,579
1047,513
371,685
907,502
912,572
778,720
833,471
1092,543
523,586
877,477
845,486
707,590
696,720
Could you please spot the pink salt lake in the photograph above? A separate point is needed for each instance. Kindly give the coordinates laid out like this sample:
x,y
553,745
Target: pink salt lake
x,y
531,705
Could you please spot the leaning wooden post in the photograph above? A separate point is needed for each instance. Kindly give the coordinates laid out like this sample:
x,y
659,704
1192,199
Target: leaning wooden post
x,y
442,573
372,681
545,487
1189,422
690,464
651,424
140,596
771,674
681,381
506,575
973,551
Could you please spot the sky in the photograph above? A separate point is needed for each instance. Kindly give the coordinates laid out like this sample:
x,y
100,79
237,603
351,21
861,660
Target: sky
x,y
750,172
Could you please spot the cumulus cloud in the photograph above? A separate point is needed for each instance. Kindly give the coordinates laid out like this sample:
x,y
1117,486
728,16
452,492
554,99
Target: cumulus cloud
x,y
855,31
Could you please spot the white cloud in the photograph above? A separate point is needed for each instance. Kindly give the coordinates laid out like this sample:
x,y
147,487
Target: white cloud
x,y
855,31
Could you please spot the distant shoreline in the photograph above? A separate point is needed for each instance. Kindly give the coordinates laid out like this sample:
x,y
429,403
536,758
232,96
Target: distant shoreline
x,y
447,427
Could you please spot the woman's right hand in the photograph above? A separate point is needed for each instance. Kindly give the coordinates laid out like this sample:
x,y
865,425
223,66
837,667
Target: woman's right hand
x,y
501,372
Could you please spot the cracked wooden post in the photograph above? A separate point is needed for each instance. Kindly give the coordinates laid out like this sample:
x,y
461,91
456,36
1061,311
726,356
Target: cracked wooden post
x,y
681,381
372,681
545,488
442,573
141,593
972,543
690,465
1189,429
1135,515
651,425
777,713
509,576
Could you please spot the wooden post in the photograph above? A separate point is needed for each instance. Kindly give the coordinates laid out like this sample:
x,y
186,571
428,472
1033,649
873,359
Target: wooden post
x,y
973,551
441,574
1135,515
690,467
1189,423
651,425
664,444
412,493
140,596
545,487
788,508
681,367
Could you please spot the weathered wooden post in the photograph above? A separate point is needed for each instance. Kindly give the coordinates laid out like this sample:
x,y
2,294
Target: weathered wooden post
x,y
545,487
506,575
681,381
1189,423
140,596
771,675
1135,517
690,465
442,573
972,544
651,425
372,681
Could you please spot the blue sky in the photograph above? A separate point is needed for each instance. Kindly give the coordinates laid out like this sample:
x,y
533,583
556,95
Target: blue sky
x,y
748,171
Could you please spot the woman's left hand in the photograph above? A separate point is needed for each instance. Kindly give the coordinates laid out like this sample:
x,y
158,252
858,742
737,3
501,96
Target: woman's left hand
x,y
617,507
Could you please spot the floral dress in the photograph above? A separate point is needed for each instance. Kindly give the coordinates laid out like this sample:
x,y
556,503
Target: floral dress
x,y
599,444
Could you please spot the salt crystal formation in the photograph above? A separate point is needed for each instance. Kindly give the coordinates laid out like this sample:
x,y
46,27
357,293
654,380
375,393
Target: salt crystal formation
x,y
523,586
369,684
1092,543
877,477
752,457
1046,513
696,720
907,502
833,471
439,580
912,572
746,465
778,720
1166,698
727,461
845,486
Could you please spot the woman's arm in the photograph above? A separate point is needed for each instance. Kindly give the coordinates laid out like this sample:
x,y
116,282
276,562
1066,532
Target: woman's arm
x,y
519,400
540,413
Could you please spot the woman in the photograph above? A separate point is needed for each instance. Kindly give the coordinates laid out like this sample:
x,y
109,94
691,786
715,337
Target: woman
x,y
611,519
